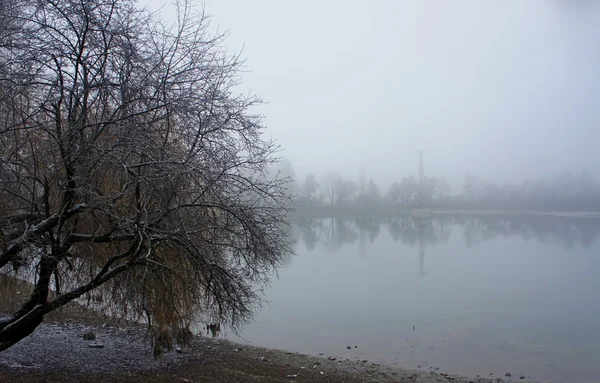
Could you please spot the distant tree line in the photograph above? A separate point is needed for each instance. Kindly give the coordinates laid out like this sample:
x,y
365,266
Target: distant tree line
x,y
564,191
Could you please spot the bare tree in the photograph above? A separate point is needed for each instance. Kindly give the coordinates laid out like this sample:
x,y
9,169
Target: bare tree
x,y
130,170
472,188
331,183
443,188
409,189
395,194
345,190
309,194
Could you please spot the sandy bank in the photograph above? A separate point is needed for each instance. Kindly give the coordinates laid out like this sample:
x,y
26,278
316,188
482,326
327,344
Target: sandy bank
x,y
58,353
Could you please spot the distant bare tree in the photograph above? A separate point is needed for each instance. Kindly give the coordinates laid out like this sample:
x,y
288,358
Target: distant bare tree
x,y
409,188
395,194
429,189
130,170
472,187
443,188
373,195
338,191
346,190
310,191
331,183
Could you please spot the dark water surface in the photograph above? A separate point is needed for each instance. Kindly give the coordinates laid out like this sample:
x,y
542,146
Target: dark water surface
x,y
493,294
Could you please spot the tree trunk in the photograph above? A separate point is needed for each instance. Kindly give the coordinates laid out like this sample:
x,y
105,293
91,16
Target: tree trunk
x,y
13,330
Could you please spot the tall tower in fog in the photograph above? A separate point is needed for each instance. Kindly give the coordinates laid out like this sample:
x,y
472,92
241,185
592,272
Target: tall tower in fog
x,y
421,170
421,190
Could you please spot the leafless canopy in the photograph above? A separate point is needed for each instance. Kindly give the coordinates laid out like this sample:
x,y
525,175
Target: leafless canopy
x,y
130,169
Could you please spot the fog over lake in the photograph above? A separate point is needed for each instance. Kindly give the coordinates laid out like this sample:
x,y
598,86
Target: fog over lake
x,y
488,294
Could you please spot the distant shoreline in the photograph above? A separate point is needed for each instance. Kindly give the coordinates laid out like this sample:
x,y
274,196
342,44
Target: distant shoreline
x,y
329,212
572,214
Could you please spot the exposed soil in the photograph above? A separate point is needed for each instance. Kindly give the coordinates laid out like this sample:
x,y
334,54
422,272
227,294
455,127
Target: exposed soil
x,y
57,352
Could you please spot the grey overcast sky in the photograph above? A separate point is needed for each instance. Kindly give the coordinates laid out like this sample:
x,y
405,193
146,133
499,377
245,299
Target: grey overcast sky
x,y
503,89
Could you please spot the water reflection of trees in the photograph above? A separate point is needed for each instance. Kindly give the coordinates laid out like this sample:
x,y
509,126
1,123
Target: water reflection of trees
x,y
416,230
561,231
332,233
411,231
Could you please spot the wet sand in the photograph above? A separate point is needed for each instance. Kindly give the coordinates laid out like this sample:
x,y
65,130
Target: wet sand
x,y
57,352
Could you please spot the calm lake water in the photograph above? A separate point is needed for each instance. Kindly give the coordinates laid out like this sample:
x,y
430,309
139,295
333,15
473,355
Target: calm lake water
x,y
493,294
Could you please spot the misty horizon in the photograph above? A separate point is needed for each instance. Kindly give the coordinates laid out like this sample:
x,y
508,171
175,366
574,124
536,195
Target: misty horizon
x,y
505,91
456,186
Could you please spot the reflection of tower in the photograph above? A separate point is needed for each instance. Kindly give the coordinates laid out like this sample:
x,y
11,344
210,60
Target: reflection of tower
x,y
421,258
420,230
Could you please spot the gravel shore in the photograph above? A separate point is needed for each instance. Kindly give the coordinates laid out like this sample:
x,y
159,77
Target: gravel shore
x,y
57,352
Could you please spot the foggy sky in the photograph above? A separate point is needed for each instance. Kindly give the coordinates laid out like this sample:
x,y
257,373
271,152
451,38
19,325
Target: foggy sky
x,y
503,89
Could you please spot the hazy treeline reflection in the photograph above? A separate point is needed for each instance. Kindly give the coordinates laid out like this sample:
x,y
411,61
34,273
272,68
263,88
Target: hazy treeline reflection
x,y
411,231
